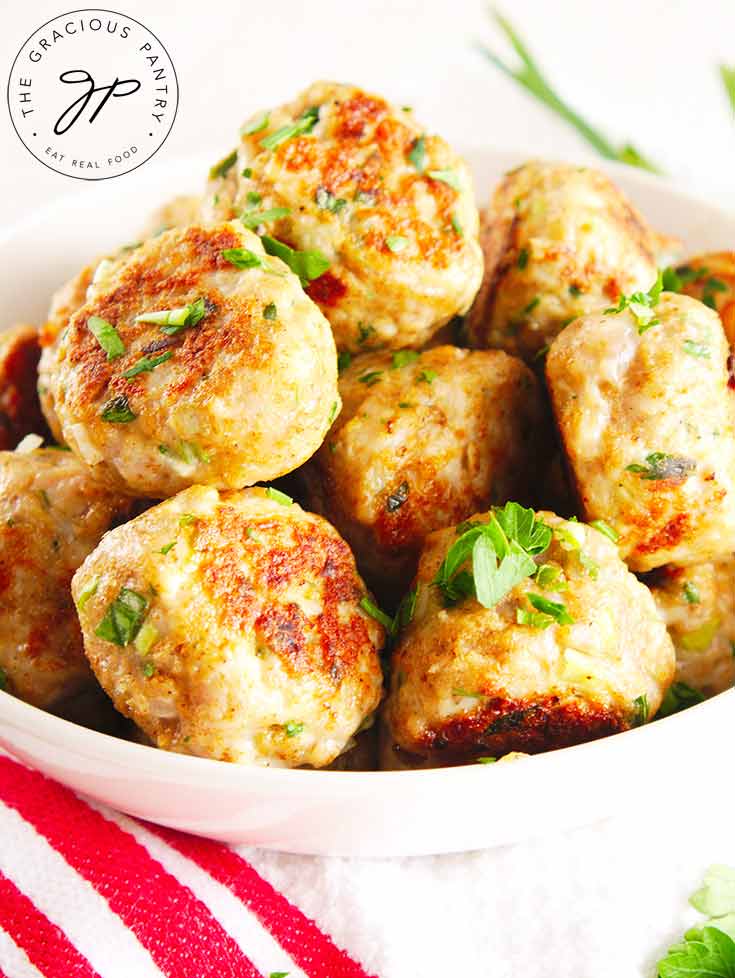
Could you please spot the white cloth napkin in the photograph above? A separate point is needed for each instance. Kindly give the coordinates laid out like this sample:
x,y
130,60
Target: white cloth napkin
x,y
603,901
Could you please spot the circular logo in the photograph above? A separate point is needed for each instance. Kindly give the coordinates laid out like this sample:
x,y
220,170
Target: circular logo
x,y
93,94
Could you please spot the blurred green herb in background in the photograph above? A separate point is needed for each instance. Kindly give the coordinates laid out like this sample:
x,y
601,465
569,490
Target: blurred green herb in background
x,y
728,80
531,78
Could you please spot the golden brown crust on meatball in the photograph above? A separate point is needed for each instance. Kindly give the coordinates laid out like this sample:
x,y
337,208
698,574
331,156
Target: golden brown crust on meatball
x,y
646,418
469,680
711,279
244,392
698,605
390,207
20,411
559,241
251,645
52,514
422,442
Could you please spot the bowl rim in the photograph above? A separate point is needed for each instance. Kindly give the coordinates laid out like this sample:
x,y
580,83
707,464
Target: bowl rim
x,y
163,765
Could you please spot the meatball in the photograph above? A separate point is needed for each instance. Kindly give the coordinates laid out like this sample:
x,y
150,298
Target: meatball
x,y
573,652
69,298
196,359
423,441
20,411
390,207
698,605
711,279
229,625
52,515
646,417
559,242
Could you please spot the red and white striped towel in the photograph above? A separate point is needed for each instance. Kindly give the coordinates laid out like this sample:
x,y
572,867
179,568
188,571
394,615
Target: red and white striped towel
x,y
88,893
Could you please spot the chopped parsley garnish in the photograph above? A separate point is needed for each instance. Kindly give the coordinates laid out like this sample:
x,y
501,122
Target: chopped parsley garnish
x,y
293,728
364,333
257,125
148,669
486,760
167,548
304,124
253,197
708,950
427,376
396,242
224,166
402,358
252,219
117,410
187,519
641,305
445,176
711,287
523,258
278,497
551,577
640,710
370,608
307,265
147,364
344,359
678,697
247,172
242,258
548,612
123,619
327,201
691,594
531,305
87,592
107,337
500,553
695,349
371,377
574,291
417,153
674,279
606,529
270,311
173,321
456,225
660,466
397,498
405,612
333,412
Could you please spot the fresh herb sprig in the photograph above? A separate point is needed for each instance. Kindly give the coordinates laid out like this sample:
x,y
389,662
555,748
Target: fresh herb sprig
x,y
708,950
641,305
500,553
530,77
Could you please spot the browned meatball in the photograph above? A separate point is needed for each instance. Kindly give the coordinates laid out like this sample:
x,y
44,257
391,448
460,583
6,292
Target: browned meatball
x,y
422,442
52,514
493,661
559,241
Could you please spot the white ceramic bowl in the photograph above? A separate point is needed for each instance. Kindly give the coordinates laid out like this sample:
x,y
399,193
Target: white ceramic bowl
x,y
359,814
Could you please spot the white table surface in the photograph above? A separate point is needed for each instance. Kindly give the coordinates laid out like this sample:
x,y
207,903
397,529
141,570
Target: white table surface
x,y
599,902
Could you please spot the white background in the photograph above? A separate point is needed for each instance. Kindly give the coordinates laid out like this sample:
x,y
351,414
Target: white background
x,y
600,902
